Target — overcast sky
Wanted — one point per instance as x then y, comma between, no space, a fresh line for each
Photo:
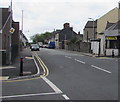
46,15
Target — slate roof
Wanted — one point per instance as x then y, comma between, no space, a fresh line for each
57,31
66,33
89,24
109,25
115,26
5,14
113,30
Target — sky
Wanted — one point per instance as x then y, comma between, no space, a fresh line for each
41,16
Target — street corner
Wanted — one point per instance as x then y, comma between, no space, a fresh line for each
25,68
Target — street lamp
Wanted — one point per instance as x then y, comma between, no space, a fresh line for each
93,28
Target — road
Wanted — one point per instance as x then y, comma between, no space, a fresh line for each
69,76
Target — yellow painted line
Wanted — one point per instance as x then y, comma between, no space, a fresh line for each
41,65
44,67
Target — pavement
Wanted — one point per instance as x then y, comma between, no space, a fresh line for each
13,71
90,54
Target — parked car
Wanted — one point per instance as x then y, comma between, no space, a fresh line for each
34,47
45,46
40,44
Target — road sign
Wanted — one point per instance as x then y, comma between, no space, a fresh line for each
12,30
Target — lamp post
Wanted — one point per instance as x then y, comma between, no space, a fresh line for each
93,28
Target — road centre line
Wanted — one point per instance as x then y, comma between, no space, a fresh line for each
27,95
68,57
79,61
101,69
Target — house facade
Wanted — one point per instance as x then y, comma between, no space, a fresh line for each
89,32
62,36
15,37
9,36
112,38
23,40
5,35
105,22
112,16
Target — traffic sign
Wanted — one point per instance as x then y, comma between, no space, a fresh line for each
12,30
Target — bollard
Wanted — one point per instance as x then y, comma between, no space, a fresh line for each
112,53
21,66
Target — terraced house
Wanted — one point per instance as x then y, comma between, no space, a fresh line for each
107,30
9,37
6,23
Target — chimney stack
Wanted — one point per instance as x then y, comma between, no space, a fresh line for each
66,25
79,32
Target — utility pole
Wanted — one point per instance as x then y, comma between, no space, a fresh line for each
22,31
22,22
10,33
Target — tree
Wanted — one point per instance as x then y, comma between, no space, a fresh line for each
41,37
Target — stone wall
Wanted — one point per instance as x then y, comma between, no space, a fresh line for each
81,47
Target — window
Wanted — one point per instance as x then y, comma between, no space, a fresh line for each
112,44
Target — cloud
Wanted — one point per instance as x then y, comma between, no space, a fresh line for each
47,15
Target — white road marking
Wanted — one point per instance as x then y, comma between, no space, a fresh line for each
68,57
53,86
7,67
29,57
66,97
38,69
101,69
27,95
79,61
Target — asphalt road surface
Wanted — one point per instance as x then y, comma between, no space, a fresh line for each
70,76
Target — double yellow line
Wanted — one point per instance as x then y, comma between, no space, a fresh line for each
44,67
